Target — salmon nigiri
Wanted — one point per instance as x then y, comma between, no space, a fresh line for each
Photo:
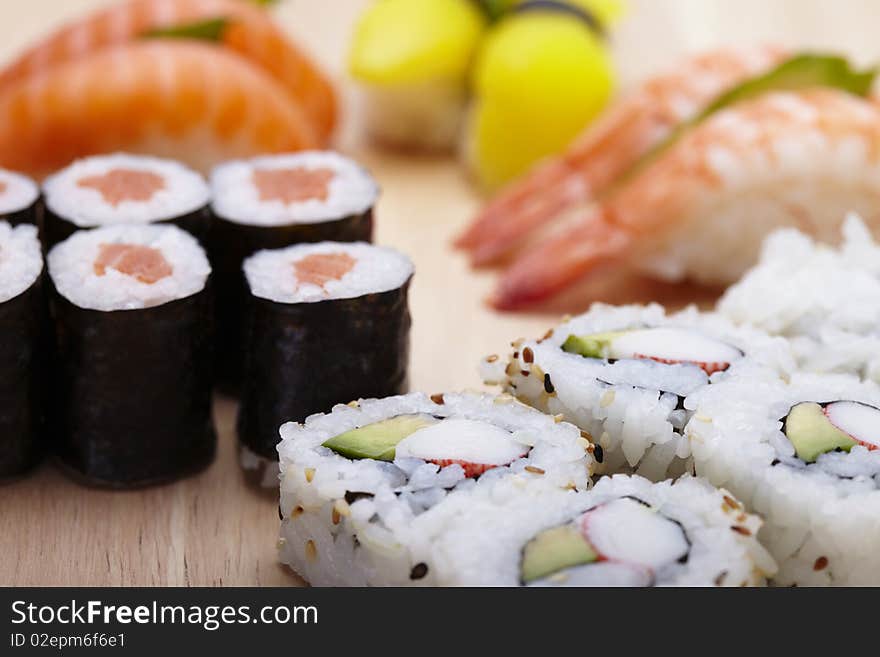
249,31
194,102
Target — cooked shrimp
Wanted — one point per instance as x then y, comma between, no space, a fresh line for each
251,33
700,211
191,101
607,149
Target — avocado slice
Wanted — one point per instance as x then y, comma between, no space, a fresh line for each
378,441
812,434
596,345
554,550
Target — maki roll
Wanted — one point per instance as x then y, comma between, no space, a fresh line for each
806,456
22,349
626,531
19,199
132,311
326,323
272,202
125,189
358,483
623,374
826,300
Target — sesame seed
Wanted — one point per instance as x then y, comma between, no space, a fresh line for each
548,385
534,470
821,564
528,355
741,530
438,399
311,550
419,571
310,474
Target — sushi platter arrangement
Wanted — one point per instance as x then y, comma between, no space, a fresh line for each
217,371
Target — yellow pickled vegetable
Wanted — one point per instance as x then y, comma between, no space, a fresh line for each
414,57
542,75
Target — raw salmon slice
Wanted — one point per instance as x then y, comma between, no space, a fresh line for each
251,33
189,101
293,185
121,185
144,263
321,268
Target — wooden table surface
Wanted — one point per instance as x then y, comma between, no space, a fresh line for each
214,529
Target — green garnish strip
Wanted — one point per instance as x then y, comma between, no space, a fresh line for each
210,29
801,71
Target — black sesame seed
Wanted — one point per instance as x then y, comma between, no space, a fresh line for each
598,453
280,514
352,497
548,385
419,571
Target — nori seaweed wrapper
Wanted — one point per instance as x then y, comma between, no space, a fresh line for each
304,358
231,244
133,396
32,214
23,359
57,229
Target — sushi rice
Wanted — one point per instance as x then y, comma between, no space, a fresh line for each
239,197
272,274
349,521
822,513
635,409
480,537
825,299
72,265
17,192
21,260
124,189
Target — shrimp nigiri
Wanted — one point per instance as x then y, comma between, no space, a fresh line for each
250,32
607,149
700,210
196,102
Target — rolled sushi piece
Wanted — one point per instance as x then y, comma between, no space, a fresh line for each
806,456
132,309
326,323
19,199
122,189
625,532
624,373
22,349
356,482
825,299
272,202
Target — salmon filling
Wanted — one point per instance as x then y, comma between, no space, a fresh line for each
321,268
119,185
293,185
144,263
